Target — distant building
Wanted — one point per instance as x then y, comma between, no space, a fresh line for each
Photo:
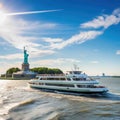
25,73
103,74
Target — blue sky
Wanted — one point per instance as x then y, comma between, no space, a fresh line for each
61,33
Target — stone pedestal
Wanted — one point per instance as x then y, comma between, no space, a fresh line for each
25,73
25,67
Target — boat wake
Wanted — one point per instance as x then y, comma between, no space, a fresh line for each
101,96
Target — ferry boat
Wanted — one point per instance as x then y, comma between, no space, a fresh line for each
72,81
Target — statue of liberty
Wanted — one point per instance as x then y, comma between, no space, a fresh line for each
25,56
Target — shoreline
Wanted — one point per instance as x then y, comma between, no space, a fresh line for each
9,78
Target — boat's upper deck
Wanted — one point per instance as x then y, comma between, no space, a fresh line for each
76,74
70,76
51,77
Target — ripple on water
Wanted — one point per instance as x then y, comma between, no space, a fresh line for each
85,110
52,116
28,104
4,110
106,114
21,104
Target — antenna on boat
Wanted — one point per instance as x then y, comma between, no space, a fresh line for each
76,67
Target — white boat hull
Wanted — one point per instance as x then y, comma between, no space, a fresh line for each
70,89
74,81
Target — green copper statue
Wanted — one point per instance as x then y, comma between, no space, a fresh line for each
25,56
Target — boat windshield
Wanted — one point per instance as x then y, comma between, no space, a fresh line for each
74,72
37,77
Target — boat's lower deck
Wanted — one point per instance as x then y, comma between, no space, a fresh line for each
70,89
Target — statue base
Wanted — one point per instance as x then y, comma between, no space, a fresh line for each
25,67
24,75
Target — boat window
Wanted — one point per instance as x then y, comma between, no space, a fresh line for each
60,85
79,79
53,78
87,86
43,79
70,72
68,79
82,86
77,72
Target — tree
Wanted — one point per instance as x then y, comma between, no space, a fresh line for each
12,70
45,70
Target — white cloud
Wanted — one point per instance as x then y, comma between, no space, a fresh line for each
15,32
118,52
10,31
116,12
6,66
62,63
33,54
103,21
52,40
41,53
31,26
53,62
12,56
79,38
94,62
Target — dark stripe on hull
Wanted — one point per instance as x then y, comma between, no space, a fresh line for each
54,90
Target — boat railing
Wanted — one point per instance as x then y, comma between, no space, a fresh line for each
50,74
96,86
82,79
89,86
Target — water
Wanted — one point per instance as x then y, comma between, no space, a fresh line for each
19,102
